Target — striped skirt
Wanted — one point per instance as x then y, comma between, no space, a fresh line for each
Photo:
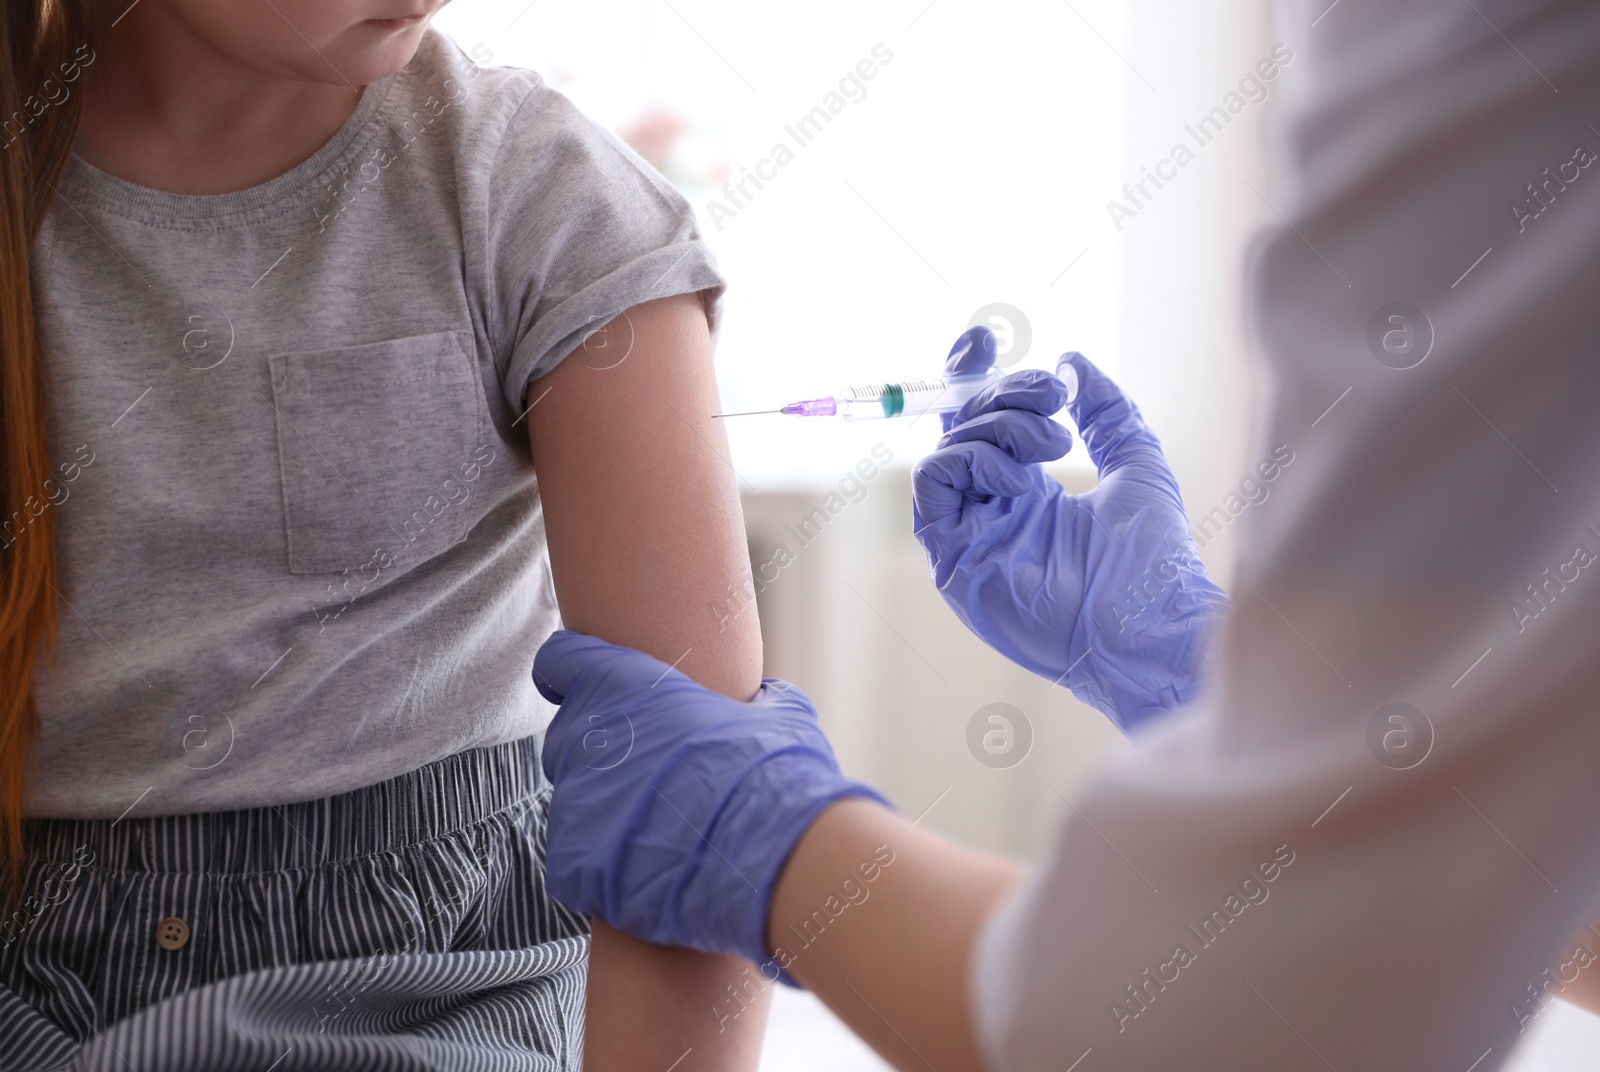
400,926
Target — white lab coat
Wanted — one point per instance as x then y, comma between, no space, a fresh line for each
1435,545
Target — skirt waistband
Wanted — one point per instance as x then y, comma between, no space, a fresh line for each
429,802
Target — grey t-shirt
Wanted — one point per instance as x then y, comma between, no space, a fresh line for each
301,543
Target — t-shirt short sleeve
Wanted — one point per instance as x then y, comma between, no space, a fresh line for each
579,229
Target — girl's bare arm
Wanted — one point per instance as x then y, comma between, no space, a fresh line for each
647,545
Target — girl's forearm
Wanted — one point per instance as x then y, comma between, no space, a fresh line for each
649,1006
879,919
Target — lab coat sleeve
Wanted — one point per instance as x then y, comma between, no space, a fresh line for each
1378,842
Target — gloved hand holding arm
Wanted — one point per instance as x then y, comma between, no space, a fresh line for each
675,807
1104,592
727,827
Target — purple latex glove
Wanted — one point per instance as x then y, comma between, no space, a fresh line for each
1105,591
676,808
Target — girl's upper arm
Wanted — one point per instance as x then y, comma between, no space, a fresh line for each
647,541
647,546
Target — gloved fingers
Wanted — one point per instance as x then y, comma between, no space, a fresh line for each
1033,390
567,658
972,355
1027,437
1111,425
945,479
777,692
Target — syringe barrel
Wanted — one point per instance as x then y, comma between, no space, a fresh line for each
910,398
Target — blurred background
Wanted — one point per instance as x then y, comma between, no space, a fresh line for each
965,179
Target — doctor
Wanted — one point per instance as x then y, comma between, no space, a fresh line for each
1374,841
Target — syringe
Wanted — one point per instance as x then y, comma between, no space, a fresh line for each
904,398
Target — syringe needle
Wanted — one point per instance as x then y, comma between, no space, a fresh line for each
747,413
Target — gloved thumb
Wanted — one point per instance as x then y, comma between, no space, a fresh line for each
567,658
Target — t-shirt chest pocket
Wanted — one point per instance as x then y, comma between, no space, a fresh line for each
375,445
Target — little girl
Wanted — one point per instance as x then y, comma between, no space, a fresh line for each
295,303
